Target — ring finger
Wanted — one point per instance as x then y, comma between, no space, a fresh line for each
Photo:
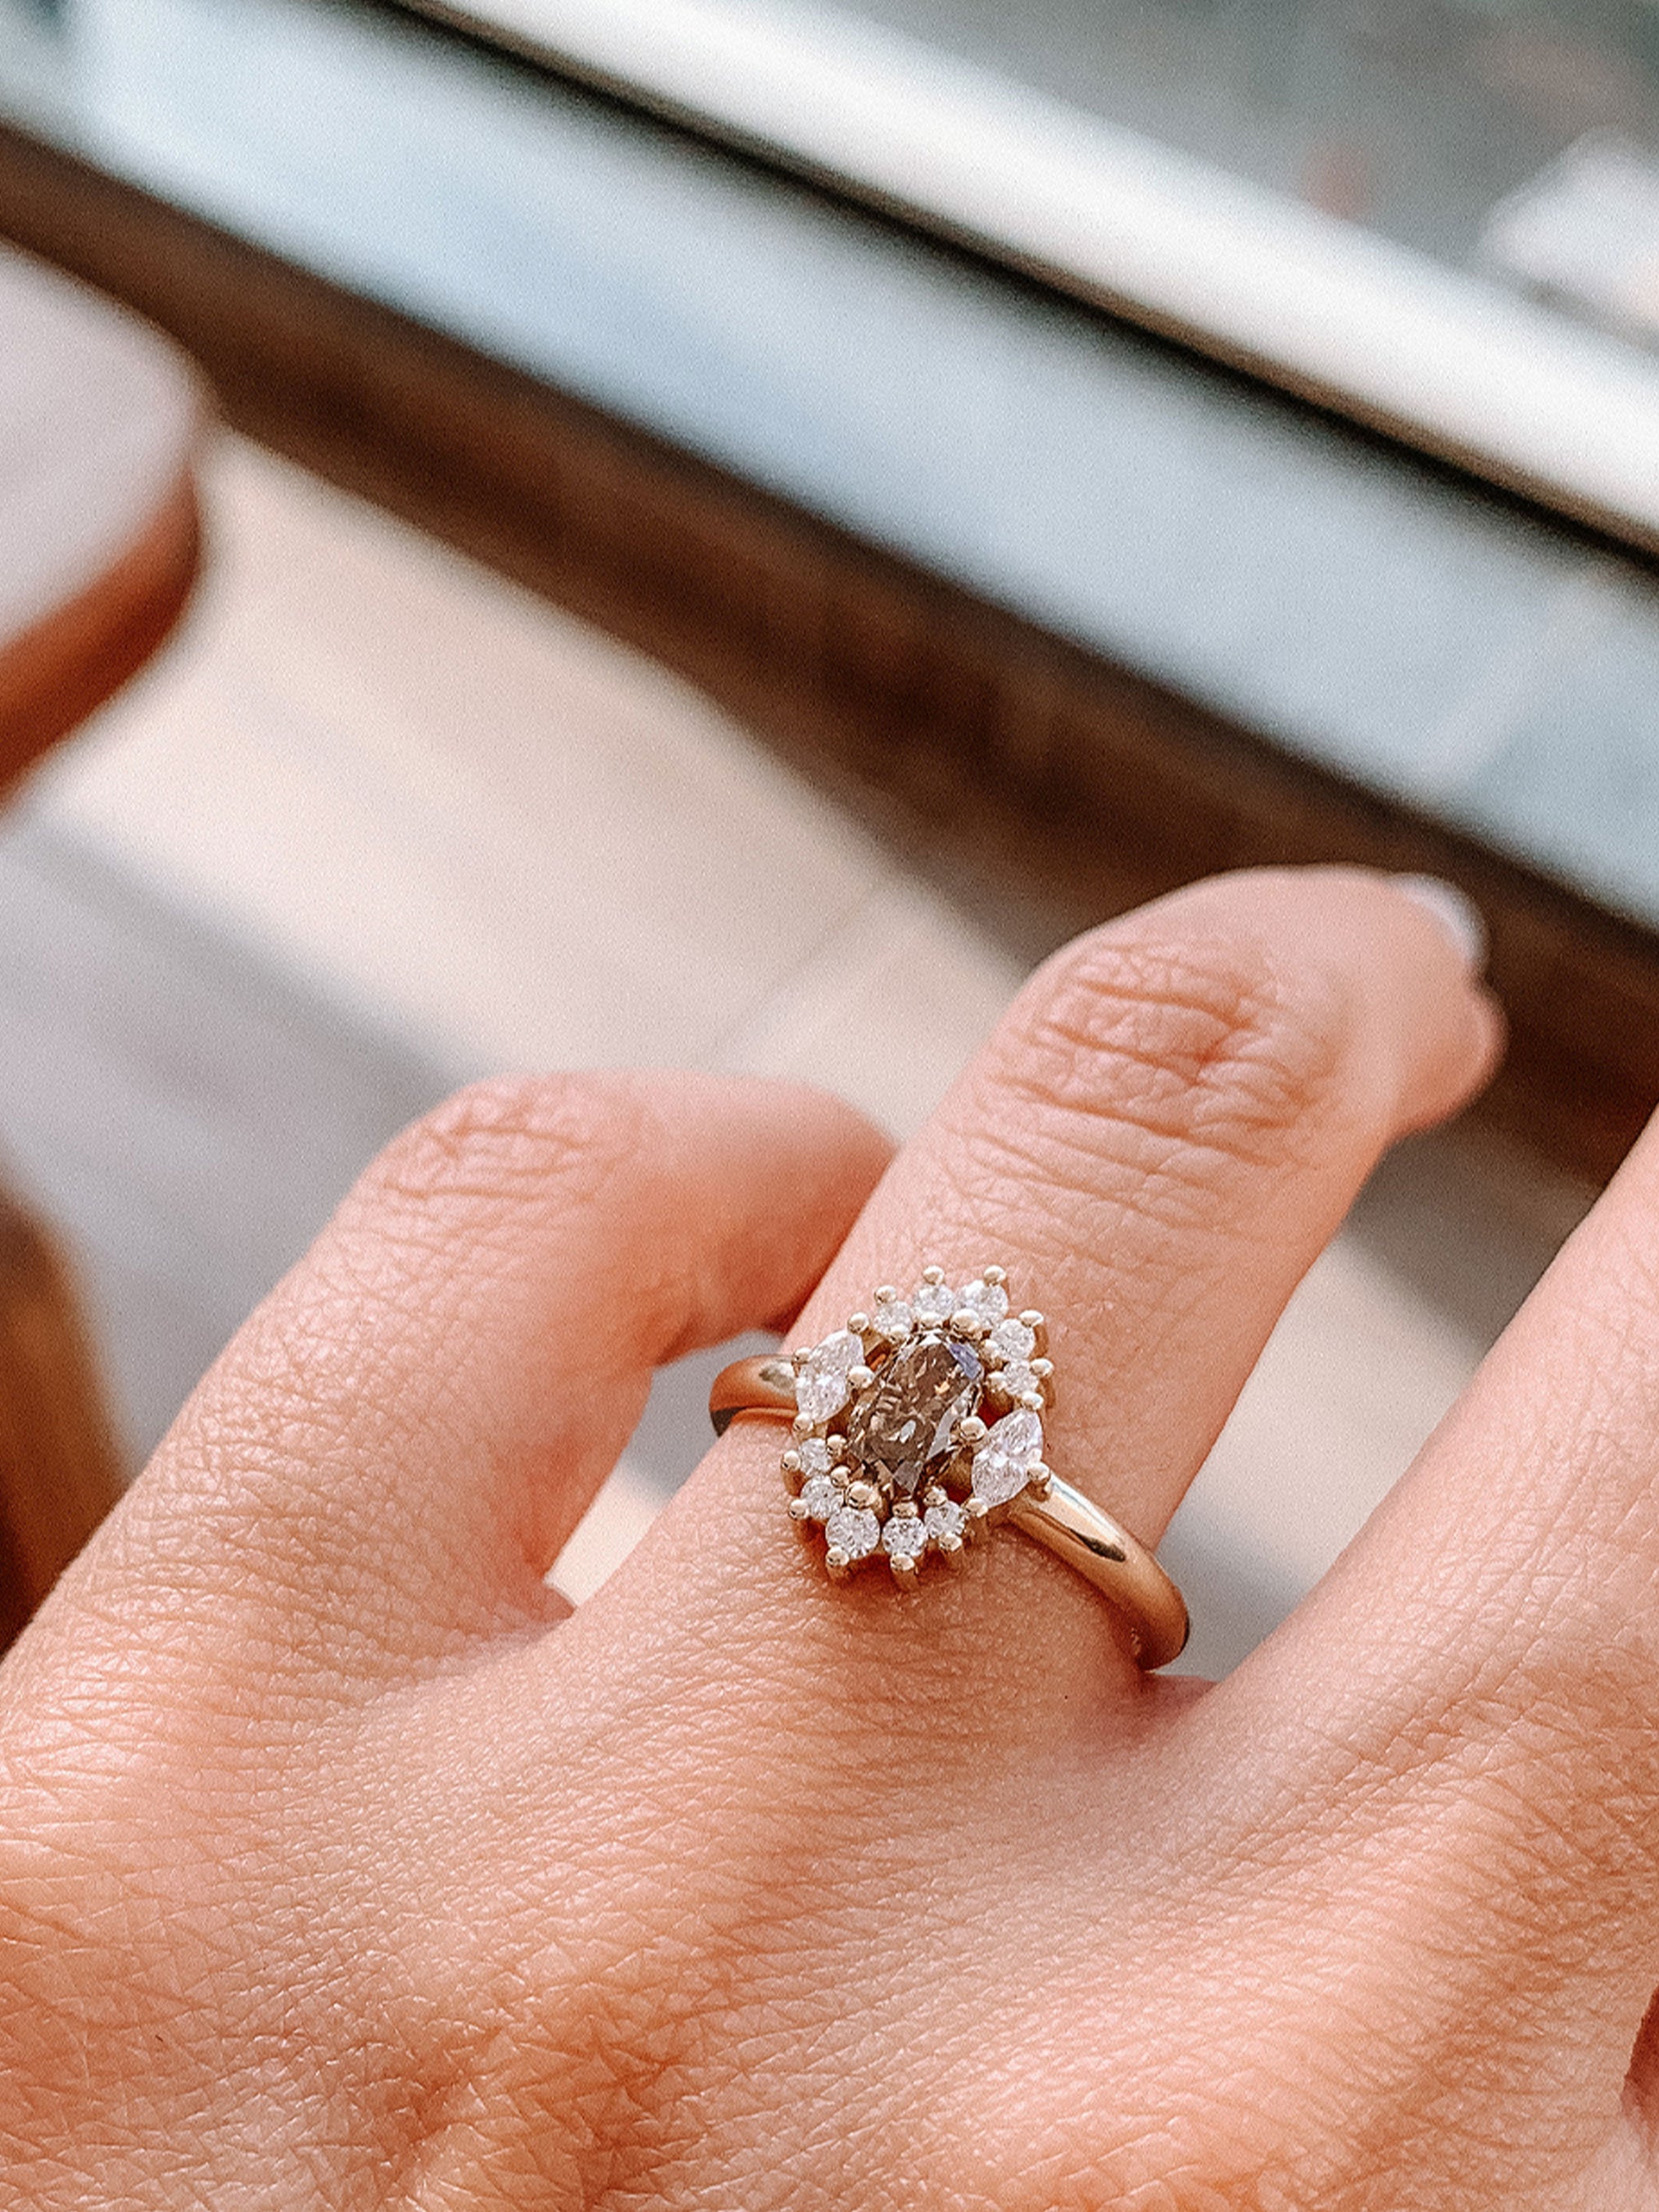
1166,1129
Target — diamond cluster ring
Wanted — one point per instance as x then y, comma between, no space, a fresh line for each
919,1425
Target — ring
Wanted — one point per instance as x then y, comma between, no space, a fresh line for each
918,1426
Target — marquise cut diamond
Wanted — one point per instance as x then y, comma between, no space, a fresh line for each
1003,1463
822,1387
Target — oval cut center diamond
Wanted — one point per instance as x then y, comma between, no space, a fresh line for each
905,1424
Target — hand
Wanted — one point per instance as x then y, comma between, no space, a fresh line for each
338,1868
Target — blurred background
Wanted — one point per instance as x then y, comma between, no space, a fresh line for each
715,533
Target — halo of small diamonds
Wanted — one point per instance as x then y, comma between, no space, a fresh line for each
920,1423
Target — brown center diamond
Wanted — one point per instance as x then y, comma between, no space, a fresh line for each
903,1427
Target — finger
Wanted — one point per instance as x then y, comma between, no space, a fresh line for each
395,1446
1164,1132
1477,1682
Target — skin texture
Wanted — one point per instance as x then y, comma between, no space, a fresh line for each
339,1868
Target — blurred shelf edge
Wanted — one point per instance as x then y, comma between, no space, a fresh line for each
102,532
68,664
1036,781
59,1467
1474,372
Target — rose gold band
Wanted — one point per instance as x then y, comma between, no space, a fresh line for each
1071,1526
765,1385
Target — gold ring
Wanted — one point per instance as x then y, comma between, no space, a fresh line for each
918,1426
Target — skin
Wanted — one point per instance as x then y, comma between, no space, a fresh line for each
339,1868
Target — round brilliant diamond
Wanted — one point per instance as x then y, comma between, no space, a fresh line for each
893,1321
1013,1340
986,1302
853,1529
943,1520
820,1494
904,1538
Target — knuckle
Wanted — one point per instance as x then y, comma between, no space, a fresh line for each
463,1213
497,1143
1189,1059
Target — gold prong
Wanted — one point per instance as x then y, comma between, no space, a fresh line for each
993,1275
864,1494
886,1295
933,1275
1039,1479
1032,1400
904,1572
859,1378
797,1509
799,1359
1032,1317
968,1323
949,1549
837,1562
792,1461
859,1324
972,1430
800,1426
1042,1369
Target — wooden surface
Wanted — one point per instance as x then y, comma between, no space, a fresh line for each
59,1474
98,423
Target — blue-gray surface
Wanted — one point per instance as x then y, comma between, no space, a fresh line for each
1347,602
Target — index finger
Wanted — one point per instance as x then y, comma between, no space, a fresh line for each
395,1446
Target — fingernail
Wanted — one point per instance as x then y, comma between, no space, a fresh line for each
1457,913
